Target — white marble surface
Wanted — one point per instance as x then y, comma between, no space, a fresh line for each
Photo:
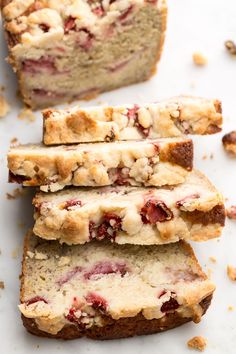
193,25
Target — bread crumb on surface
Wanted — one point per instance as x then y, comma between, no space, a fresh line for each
27,115
229,142
231,212
15,252
209,272
212,259
21,225
231,47
211,156
2,285
231,271
16,193
230,308
4,107
14,141
197,343
204,157
199,59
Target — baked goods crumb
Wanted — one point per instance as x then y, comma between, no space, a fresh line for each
14,141
212,259
204,157
27,115
2,88
231,212
15,252
229,142
21,225
199,59
197,343
231,47
211,156
230,308
16,193
209,272
4,107
2,285
231,271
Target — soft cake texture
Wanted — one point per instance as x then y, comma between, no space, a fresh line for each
85,290
154,162
70,49
193,210
168,118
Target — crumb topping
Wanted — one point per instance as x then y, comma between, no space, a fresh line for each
31,20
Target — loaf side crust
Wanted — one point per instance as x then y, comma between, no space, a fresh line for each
122,328
190,309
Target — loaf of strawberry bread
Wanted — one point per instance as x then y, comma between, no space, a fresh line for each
193,210
155,162
104,291
72,49
168,118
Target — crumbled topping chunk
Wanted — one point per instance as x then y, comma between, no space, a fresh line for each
197,343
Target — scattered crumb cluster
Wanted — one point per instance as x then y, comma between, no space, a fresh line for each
212,259
197,343
199,59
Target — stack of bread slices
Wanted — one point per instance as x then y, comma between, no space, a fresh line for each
117,200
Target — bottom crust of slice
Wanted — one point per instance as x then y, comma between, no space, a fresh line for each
122,328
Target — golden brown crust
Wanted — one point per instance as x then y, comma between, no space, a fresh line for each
214,216
122,328
180,154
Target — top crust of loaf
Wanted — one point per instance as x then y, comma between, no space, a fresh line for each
35,23
169,118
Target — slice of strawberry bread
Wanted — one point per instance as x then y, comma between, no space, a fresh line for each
152,163
167,118
71,49
105,291
192,210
